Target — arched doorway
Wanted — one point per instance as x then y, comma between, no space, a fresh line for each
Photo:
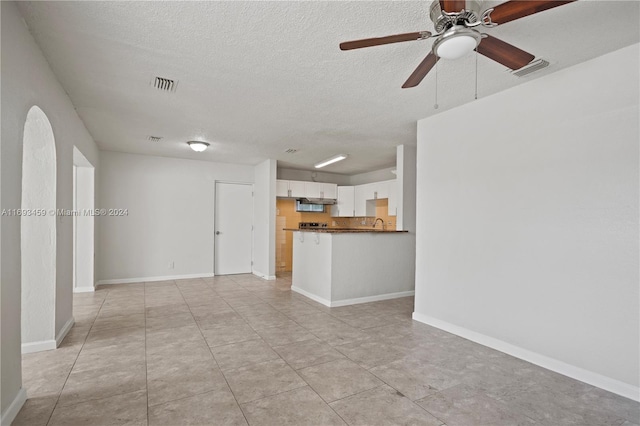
38,234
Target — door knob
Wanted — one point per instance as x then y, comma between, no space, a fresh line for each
218,232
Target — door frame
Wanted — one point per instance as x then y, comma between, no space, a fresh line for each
215,217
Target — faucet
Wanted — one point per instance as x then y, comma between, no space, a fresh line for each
381,220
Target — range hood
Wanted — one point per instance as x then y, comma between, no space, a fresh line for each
322,201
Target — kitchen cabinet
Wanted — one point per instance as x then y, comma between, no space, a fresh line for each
330,190
313,189
290,189
297,189
361,194
302,189
380,190
345,206
282,188
365,196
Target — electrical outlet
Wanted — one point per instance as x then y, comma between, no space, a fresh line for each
171,265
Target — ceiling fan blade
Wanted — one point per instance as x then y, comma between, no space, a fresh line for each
452,5
516,9
504,53
397,38
420,73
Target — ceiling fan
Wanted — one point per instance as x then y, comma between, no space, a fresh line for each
454,22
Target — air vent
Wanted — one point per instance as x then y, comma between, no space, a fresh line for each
154,138
290,151
532,67
165,84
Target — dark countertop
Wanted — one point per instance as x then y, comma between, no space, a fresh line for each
346,230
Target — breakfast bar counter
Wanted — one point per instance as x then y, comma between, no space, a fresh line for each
343,266
344,230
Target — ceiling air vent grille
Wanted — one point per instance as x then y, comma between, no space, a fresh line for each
165,84
290,151
154,138
532,67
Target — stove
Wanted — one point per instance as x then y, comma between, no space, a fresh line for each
313,225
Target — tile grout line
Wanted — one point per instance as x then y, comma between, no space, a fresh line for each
279,356
146,364
212,356
77,356
343,354
293,369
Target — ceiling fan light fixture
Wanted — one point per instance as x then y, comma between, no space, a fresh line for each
456,42
331,160
198,146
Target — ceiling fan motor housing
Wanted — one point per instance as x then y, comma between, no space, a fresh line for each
443,21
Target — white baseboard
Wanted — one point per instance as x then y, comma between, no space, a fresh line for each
355,301
84,289
64,331
264,276
368,299
12,411
311,296
586,376
149,279
43,345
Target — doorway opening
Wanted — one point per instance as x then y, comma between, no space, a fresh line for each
83,223
38,234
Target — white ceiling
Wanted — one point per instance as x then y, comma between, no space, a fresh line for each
256,78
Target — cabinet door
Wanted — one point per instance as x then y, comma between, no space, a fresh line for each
313,189
381,190
297,189
344,207
330,190
282,188
361,193
393,198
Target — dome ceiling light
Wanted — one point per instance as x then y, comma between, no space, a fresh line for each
198,146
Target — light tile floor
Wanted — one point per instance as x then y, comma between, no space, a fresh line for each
235,350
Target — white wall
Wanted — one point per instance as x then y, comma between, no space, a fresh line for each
27,80
264,220
406,181
528,229
170,205
84,225
374,176
309,176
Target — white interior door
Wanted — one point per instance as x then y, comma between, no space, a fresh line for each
233,228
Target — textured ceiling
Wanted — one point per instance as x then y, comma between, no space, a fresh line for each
256,78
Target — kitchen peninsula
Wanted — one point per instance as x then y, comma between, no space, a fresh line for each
343,266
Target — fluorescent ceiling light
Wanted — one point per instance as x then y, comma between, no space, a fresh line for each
331,160
198,146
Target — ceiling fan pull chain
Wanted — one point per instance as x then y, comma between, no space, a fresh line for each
435,106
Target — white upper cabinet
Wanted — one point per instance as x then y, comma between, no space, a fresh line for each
301,189
380,190
282,188
297,188
330,190
362,193
313,189
365,195
290,189
345,206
